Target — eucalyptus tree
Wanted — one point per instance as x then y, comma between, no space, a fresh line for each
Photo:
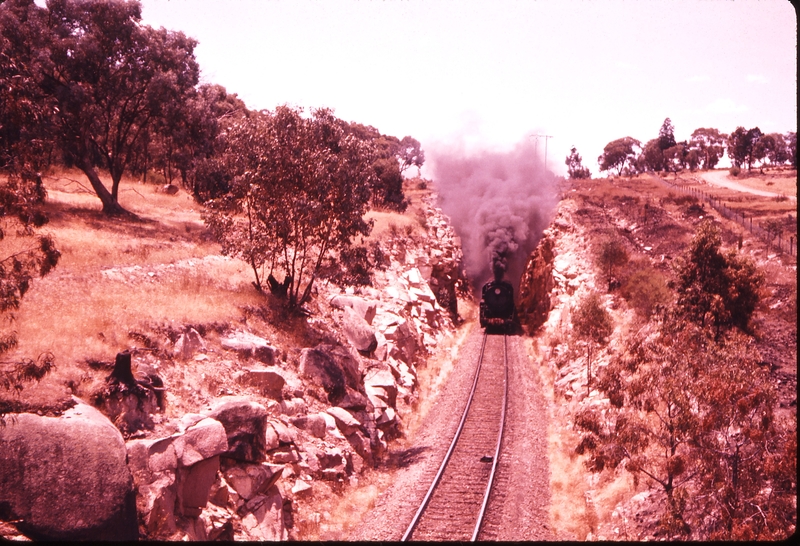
105,78
299,190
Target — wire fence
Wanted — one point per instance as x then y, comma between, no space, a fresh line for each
770,234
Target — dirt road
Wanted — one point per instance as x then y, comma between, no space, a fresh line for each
721,178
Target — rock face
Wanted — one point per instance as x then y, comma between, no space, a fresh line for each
536,285
174,475
245,423
333,368
66,478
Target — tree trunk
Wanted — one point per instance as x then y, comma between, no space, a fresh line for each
110,204
122,369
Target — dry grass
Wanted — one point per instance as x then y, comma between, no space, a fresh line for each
119,275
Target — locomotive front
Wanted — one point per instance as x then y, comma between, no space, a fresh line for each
497,305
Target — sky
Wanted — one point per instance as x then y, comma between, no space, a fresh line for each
488,74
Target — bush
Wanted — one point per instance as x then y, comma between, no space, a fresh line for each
645,290
735,171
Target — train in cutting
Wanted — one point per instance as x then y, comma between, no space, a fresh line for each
497,311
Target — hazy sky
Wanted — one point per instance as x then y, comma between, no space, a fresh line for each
487,74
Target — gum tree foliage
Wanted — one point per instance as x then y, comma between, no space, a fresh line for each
744,147
716,289
693,415
390,160
651,158
187,141
710,145
575,168
24,255
207,176
675,157
300,187
24,108
619,153
791,147
105,78
646,290
410,154
775,148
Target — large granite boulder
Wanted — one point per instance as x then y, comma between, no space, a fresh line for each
245,424
333,368
65,478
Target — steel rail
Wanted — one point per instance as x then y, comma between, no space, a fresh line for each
428,495
499,443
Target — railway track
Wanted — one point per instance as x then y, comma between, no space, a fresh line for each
456,502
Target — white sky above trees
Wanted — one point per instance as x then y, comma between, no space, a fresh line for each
486,74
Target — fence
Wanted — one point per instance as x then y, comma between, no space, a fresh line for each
773,237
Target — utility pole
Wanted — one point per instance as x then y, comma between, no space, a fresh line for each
545,137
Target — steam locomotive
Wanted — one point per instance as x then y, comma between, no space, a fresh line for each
497,306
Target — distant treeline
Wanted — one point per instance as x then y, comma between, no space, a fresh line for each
703,150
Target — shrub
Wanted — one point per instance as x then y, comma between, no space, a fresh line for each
645,290
735,171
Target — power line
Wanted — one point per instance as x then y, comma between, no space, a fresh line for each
545,137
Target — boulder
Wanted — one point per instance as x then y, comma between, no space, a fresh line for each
294,406
65,477
301,487
314,424
205,439
270,381
353,400
358,331
285,434
405,339
331,367
176,472
366,309
344,419
379,381
245,425
249,480
194,485
189,343
248,345
169,189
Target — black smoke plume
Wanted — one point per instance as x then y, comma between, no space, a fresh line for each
499,204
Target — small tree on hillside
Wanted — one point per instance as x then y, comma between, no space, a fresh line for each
717,289
593,324
575,168
694,416
410,154
300,190
612,254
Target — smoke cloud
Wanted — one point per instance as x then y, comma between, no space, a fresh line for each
499,204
